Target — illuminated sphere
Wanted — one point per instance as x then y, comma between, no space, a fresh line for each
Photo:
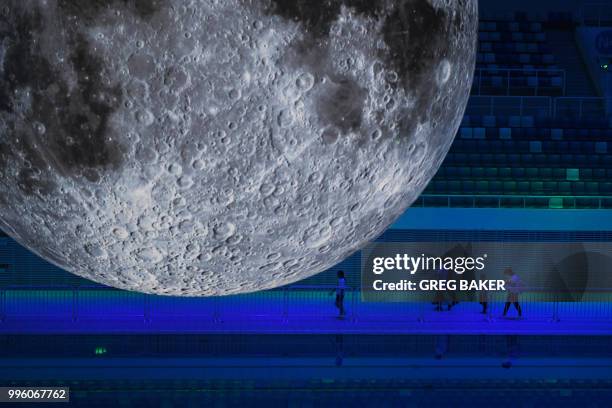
211,147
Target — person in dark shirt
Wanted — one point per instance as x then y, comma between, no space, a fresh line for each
514,287
483,296
340,289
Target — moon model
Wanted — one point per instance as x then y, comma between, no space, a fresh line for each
210,147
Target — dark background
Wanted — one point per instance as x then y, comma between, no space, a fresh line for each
531,163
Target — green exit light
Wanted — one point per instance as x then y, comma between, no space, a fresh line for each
100,350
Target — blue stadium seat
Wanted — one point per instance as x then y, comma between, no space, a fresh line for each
505,133
535,146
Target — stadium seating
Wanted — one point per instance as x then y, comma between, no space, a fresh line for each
526,155
555,154
513,59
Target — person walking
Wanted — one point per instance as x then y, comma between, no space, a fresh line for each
340,290
483,296
514,287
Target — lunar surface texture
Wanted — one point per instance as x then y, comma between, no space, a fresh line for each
213,147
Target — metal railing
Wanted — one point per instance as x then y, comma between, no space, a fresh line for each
543,106
513,201
510,106
512,75
596,14
579,107
301,303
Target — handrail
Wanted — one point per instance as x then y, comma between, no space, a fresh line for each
500,197
108,288
292,305
521,69
526,105
579,104
507,73
581,97
514,196
597,15
291,287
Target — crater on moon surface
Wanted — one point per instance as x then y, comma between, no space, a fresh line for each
203,147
